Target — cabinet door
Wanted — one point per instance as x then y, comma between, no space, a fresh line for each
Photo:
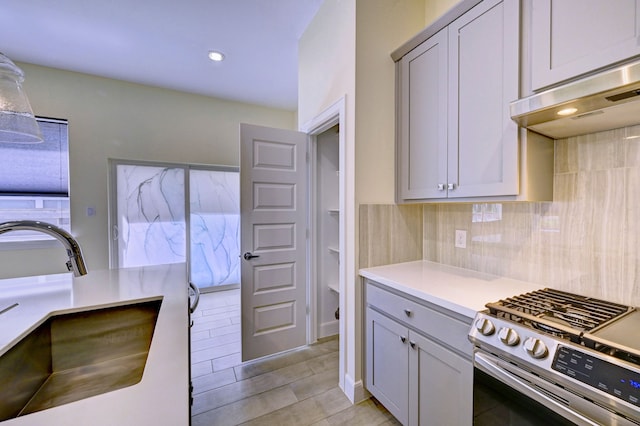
440,383
422,149
572,37
483,141
388,363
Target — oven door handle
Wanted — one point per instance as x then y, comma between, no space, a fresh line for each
487,364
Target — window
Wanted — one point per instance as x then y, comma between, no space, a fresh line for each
34,184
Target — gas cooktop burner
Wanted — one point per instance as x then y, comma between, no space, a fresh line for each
558,313
545,327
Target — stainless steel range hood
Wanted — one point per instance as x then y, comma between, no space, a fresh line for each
604,101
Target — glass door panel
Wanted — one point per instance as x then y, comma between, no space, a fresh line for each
214,227
157,220
150,226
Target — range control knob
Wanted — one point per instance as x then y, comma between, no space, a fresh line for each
485,327
536,348
509,336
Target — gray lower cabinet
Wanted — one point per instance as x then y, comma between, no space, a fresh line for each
388,363
410,367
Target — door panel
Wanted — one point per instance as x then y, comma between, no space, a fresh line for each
437,368
423,147
388,363
573,37
273,205
483,143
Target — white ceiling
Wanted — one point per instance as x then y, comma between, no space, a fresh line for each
164,43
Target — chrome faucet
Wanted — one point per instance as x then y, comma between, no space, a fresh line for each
75,262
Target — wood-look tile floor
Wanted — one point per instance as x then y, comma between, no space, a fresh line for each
299,387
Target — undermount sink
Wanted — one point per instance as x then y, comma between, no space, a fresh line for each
77,355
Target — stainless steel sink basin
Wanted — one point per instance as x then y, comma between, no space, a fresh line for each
73,356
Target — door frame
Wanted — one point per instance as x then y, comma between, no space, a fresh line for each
334,114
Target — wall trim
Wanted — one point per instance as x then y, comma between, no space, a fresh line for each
355,391
336,114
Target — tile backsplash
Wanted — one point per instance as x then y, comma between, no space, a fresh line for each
585,241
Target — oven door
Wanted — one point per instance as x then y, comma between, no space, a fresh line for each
504,394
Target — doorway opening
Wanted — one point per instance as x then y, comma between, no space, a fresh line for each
325,241
329,185
292,234
217,349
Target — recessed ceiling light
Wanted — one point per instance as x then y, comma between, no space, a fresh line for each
216,56
567,111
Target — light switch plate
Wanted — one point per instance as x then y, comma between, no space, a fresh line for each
461,238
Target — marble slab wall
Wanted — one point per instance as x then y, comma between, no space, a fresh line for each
585,241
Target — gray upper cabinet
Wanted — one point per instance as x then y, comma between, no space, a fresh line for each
423,116
483,79
455,137
573,37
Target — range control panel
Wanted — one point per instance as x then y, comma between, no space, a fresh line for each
595,372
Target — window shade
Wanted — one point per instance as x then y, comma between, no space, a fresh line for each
37,169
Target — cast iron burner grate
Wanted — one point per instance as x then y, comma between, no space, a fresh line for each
561,314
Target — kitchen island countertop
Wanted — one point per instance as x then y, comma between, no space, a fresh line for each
456,289
162,395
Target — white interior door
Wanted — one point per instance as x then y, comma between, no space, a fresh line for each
273,235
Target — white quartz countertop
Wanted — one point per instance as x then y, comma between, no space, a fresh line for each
162,396
459,290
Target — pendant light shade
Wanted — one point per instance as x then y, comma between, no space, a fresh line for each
17,123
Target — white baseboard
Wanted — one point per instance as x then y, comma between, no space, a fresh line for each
355,391
330,328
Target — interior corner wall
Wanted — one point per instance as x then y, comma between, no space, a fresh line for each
381,27
114,119
326,62
326,75
433,9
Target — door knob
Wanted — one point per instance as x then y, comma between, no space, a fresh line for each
248,255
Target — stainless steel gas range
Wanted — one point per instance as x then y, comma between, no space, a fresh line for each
577,357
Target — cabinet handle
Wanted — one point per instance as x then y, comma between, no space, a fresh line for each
408,312
441,187
403,339
451,186
413,344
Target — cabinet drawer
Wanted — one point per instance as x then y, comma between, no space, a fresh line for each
450,331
